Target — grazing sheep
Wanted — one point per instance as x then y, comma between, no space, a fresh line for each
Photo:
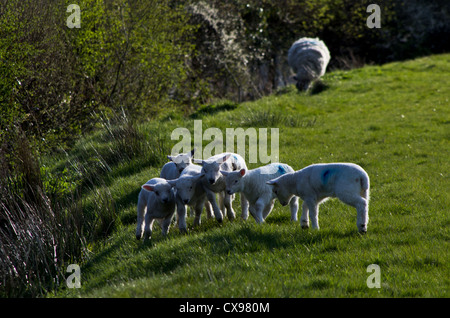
314,184
189,191
156,201
175,166
214,182
308,58
252,183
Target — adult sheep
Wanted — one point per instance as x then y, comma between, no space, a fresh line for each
308,57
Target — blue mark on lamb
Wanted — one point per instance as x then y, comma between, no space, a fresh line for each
326,175
281,169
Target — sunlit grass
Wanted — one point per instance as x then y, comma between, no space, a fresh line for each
393,120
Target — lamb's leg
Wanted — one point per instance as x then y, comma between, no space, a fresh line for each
304,219
181,214
258,210
313,213
244,207
362,210
198,212
148,226
212,199
209,211
267,209
221,199
165,225
293,204
228,200
141,208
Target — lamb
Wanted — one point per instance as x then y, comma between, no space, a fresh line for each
252,183
175,166
189,190
173,169
214,182
315,183
156,201
308,57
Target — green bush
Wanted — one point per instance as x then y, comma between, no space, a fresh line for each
129,55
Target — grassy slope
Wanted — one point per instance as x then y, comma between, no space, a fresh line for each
392,120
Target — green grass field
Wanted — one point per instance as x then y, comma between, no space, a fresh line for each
392,120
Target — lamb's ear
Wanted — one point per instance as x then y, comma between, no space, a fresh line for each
271,182
225,173
243,171
148,187
225,158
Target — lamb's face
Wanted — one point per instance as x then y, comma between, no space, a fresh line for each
163,191
283,195
212,171
186,187
233,181
182,160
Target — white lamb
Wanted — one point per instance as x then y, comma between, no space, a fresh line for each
175,166
252,183
308,57
189,191
214,182
156,201
315,183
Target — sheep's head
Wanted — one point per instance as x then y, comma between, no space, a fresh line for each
233,180
212,168
185,186
283,194
302,84
162,190
182,160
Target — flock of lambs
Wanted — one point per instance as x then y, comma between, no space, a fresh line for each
185,181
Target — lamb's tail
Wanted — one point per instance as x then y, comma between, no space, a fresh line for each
365,186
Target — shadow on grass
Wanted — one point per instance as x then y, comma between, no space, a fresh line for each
127,259
213,109
250,238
